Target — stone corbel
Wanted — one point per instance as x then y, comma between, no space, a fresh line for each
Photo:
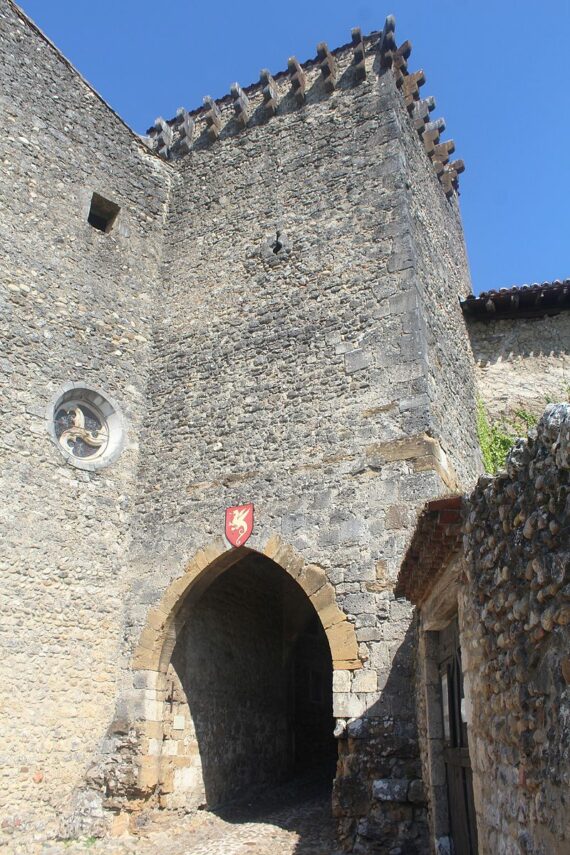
327,64
410,85
164,136
448,177
358,52
443,150
298,79
420,113
213,118
186,128
270,92
241,104
387,42
400,60
431,134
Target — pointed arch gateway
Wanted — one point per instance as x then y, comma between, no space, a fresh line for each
245,638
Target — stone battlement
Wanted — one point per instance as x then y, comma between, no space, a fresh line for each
303,84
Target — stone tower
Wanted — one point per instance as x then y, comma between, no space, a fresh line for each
257,303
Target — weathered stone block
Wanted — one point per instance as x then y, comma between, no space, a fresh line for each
348,705
341,681
416,792
391,789
365,681
356,360
311,578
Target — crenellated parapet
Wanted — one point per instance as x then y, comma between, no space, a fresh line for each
300,85
303,84
429,131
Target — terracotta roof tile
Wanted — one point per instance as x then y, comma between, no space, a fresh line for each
436,540
521,301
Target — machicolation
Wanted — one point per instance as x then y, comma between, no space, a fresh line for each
308,83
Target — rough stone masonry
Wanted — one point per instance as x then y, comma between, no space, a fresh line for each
516,617
257,303
489,573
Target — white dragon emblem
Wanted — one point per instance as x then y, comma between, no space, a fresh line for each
77,430
239,523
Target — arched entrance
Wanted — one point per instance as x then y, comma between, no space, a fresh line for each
236,664
249,689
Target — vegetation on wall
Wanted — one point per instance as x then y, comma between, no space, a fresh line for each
496,438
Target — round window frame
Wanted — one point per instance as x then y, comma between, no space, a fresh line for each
104,406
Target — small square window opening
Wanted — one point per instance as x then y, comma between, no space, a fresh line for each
102,213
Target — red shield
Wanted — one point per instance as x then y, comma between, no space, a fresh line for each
239,524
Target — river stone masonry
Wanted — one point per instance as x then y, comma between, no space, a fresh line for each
516,642
488,573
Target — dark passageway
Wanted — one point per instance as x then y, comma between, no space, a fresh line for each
253,669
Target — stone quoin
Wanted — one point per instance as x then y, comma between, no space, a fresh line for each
157,656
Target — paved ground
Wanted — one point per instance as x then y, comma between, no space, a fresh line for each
294,820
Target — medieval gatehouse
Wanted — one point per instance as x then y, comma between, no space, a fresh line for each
240,359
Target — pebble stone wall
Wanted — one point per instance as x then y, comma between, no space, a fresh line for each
76,305
515,605
279,329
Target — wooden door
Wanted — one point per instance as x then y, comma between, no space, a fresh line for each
456,751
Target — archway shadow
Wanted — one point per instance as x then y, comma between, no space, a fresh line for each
381,744
251,683
248,662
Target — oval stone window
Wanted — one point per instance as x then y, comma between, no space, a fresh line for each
86,426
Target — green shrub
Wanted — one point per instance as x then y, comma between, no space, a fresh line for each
498,437
494,439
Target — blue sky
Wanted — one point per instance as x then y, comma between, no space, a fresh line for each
498,71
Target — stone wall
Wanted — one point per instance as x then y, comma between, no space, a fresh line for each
271,314
522,364
515,642
379,792
76,306
301,378
441,276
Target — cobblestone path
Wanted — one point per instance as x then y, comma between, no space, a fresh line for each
287,821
